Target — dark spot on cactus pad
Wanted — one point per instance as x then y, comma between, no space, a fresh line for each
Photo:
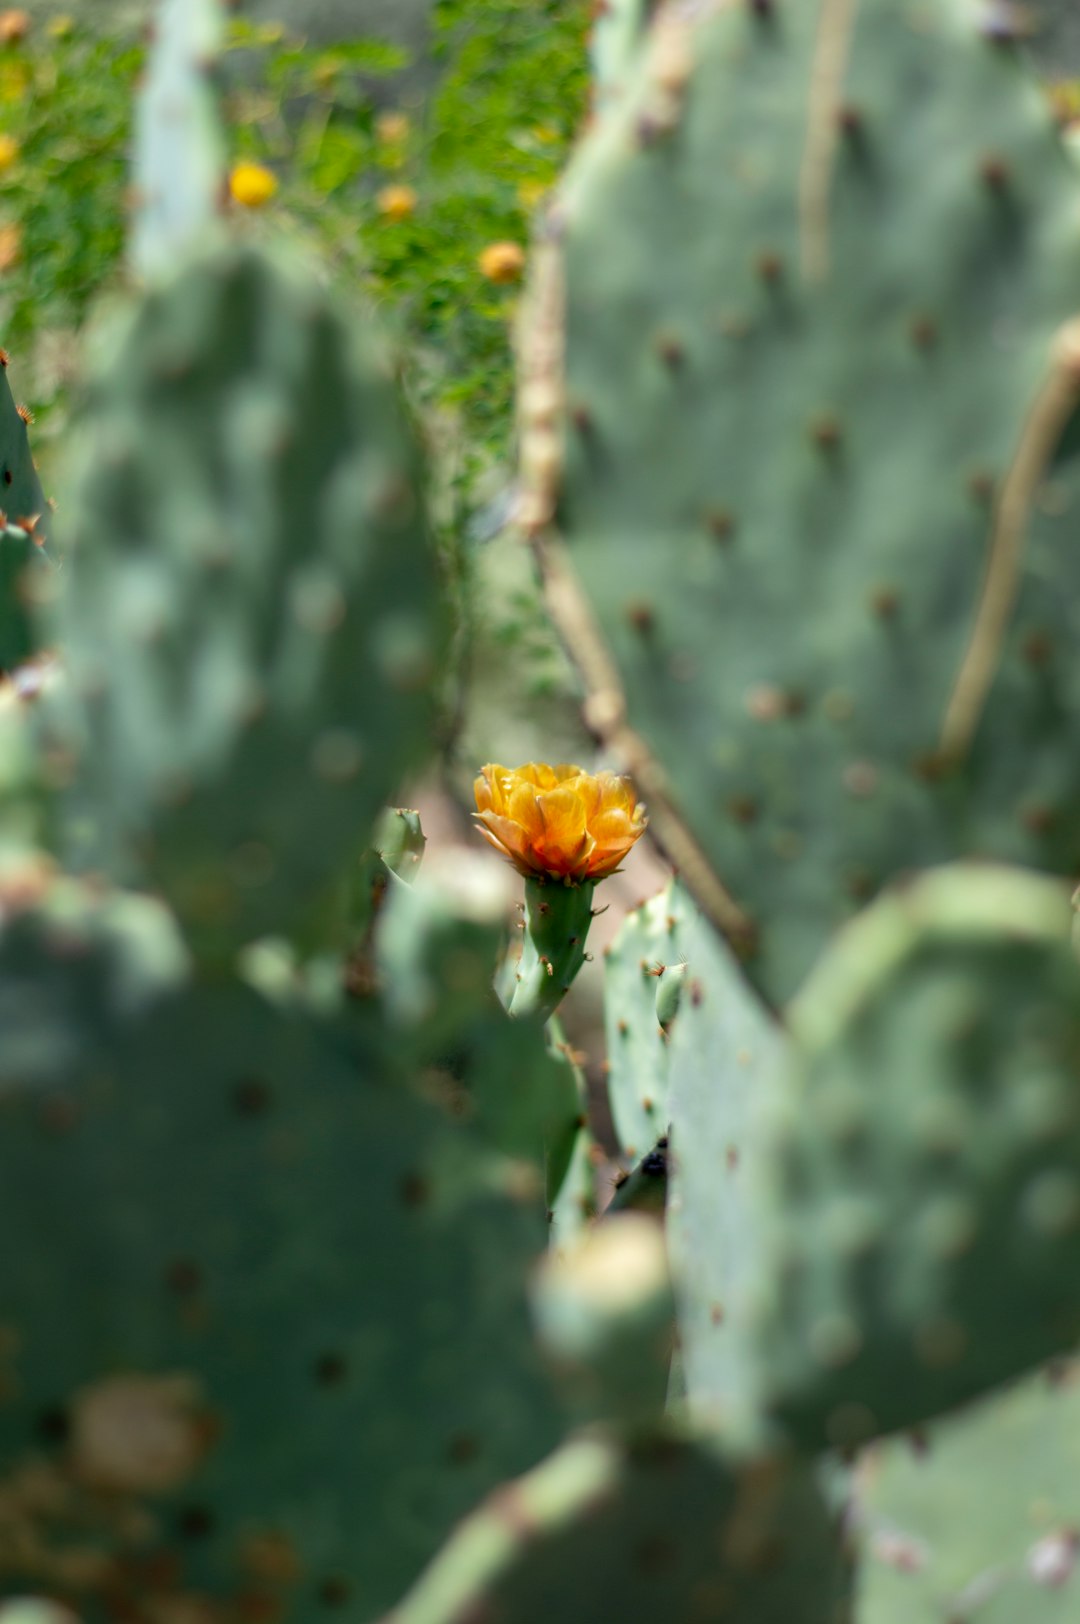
461,1449
414,1190
981,486
330,1370
582,419
859,884
183,1276
765,9
195,1522
9,477
670,350
769,267
1036,648
721,524
929,767
53,1425
654,1555
1038,820
885,602
826,433
335,1592
850,121
716,1314
923,332
251,1097
59,1115
640,616
994,172
743,809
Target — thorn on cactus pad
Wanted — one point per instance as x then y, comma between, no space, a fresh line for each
721,524
826,433
851,122
885,602
640,616
994,172
768,267
923,332
670,350
981,487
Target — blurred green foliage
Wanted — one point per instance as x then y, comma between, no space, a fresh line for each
478,155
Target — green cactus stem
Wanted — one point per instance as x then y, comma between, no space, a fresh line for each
557,920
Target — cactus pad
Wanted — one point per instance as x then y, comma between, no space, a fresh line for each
783,444
252,619
928,1157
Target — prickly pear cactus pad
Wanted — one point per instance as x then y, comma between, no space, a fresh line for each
265,1333
927,1158
726,1057
657,1529
641,967
977,1518
252,619
815,561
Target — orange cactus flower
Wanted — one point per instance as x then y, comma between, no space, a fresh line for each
559,821
502,262
396,202
14,26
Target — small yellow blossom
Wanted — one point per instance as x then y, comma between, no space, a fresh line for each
9,152
252,185
560,821
14,26
60,27
396,202
545,133
502,262
392,129
532,192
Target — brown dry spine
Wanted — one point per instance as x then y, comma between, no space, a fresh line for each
574,620
1046,422
836,25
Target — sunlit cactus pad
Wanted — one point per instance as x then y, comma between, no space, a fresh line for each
812,291
252,618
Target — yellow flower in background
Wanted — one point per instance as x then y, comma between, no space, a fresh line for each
396,202
391,129
502,262
530,192
560,821
9,152
60,27
252,185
